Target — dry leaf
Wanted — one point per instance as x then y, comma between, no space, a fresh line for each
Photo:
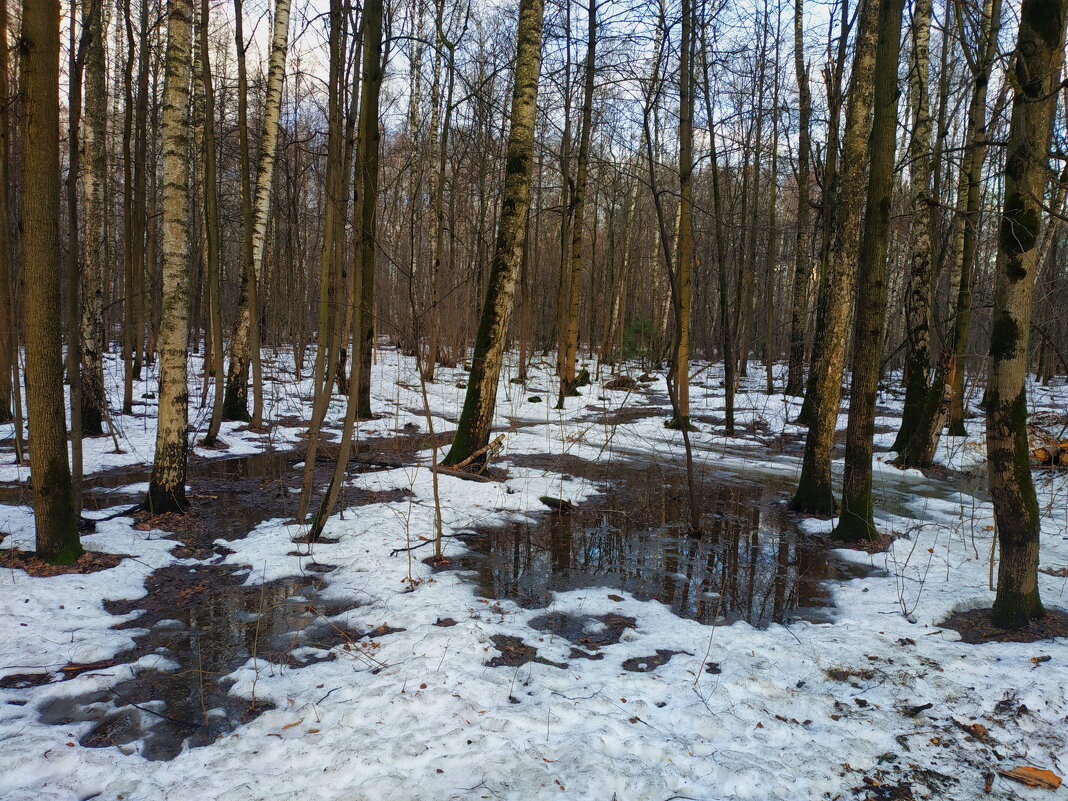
1034,777
291,725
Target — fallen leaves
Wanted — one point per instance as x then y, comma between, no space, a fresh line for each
1034,777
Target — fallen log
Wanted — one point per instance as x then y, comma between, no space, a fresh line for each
452,471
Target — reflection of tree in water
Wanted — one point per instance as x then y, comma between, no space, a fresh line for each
751,562
207,623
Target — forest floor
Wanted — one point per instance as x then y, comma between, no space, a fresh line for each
596,653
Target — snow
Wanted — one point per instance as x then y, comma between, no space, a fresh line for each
807,710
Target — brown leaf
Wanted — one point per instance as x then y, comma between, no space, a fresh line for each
1034,777
291,725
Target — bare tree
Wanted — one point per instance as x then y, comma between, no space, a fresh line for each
53,508
1038,59
856,521
166,488
472,433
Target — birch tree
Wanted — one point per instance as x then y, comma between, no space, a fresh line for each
473,430
244,345
166,488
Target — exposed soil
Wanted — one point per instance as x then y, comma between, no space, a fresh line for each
975,627
647,664
589,632
516,653
88,562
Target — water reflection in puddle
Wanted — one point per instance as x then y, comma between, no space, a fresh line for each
197,626
750,563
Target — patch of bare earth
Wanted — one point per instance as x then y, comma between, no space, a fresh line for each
88,562
975,627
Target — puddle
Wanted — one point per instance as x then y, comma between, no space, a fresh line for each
751,563
200,624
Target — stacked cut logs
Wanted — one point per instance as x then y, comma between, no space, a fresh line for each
1046,449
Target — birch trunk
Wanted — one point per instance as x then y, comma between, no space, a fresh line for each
918,297
244,346
166,489
477,416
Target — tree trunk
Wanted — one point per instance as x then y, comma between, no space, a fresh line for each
569,330
365,208
1038,59
94,144
245,343
829,212
328,255
814,493
472,433
166,489
211,230
372,87
679,386
856,522
921,396
795,380
971,175
719,215
53,507
8,325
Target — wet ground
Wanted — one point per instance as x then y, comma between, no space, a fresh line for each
196,626
199,623
750,562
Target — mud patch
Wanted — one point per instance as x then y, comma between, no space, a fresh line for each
195,627
88,562
647,664
588,632
516,653
975,628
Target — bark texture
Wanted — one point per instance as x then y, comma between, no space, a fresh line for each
918,297
53,508
967,239
166,488
94,170
814,494
477,416
856,521
795,380
244,346
1038,59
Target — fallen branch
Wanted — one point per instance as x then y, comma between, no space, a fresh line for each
452,471
489,450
